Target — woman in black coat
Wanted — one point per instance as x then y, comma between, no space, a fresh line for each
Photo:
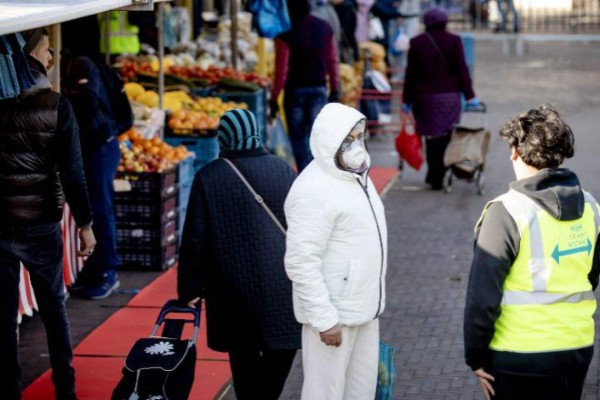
232,257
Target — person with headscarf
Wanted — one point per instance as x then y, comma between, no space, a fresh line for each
231,256
40,168
436,77
336,257
305,57
85,88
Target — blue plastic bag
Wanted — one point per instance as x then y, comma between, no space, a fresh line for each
386,378
271,17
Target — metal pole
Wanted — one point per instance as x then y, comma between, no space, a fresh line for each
57,45
234,32
107,38
161,56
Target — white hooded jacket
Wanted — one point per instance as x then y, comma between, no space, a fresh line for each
336,255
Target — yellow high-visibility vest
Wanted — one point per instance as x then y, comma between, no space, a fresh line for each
123,37
548,302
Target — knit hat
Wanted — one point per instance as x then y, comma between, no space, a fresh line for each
435,16
238,130
32,38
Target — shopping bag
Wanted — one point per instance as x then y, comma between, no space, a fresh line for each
271,17
278,141
408,143
386,376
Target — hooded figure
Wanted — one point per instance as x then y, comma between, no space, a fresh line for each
231,255
336,257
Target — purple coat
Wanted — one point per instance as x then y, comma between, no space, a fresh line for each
433,86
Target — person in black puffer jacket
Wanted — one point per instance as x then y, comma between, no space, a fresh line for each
40,166
231,255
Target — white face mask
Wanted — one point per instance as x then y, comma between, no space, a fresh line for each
355,156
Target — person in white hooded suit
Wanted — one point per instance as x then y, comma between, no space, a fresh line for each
336,258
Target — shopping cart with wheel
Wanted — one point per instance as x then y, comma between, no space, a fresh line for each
466,152
162,366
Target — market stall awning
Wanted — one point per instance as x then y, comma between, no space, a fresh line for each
16,16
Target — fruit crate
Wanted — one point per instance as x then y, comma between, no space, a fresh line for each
145,259
256,102
152,210
144,184
185,169
206,149
147,235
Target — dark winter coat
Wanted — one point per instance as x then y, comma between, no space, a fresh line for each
232,254
40,157
433,85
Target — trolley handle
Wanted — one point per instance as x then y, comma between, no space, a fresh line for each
481,108
175,306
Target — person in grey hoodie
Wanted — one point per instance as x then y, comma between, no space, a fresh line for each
528,324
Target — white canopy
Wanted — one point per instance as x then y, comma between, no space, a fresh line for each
20,15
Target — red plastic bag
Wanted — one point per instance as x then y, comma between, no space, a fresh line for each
408,143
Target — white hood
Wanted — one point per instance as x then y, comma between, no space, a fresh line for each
332,125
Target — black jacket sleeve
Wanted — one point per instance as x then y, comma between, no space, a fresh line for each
70,166
595,271
496,246
194,249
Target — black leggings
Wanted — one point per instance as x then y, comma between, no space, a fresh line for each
434,150
260,375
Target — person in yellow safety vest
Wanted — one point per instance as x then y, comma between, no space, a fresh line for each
528,323
123,35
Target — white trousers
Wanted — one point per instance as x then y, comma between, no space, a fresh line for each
348,372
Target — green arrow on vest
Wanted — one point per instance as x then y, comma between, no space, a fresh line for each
557,254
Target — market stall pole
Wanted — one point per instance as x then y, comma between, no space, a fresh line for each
233,10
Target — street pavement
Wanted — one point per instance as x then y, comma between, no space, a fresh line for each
430,233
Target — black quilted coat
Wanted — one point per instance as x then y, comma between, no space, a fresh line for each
232,254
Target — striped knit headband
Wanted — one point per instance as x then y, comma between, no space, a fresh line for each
238,130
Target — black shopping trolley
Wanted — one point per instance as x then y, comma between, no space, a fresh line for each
466,152
162,367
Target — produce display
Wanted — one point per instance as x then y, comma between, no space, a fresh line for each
351,84
147,155
204,114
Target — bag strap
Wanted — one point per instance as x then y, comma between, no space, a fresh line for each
434,43
257,197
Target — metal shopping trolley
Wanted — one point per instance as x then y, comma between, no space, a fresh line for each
466,152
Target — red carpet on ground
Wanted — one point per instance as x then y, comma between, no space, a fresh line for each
100,356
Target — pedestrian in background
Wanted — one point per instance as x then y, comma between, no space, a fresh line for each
231,255
362,20
346,11
305,57
336,257
40,167
101,154
528,326
436,76
505,7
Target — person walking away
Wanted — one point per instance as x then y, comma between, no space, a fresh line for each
305,57
436,76
101,155
346,12
336,257
231,256
528,324
504,7
40,167
388,12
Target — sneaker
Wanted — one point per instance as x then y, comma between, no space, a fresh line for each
110,283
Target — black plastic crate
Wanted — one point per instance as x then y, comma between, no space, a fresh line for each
146,209
145,235
154,259
148,184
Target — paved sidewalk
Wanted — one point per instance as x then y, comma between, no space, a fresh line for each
430,233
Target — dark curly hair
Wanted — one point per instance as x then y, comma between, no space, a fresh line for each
542,138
